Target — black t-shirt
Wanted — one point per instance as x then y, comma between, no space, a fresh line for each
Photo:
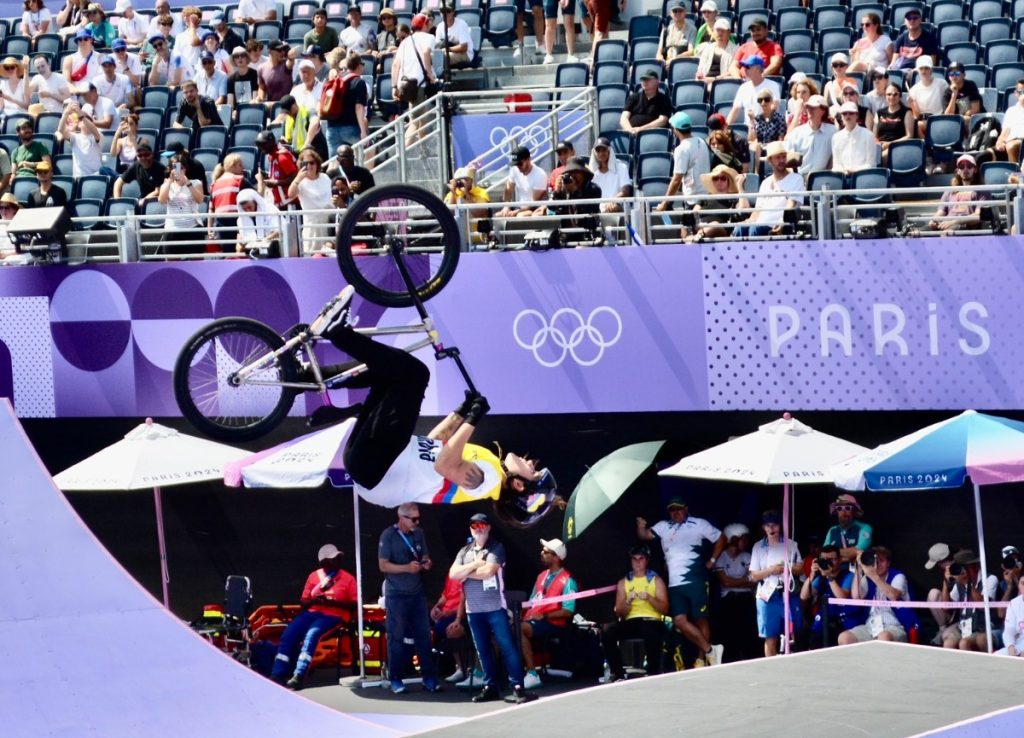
206,105
148,179
642,110
55,198
243,86
355,94
928,42
968,94
891,126
361,175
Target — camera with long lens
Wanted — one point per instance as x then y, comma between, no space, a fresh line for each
868,558
956,569
824,564
566,177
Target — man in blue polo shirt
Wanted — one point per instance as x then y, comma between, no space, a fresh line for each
682,540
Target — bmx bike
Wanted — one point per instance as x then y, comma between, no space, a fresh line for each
237,378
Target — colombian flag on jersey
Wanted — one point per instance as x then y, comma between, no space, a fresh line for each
490,465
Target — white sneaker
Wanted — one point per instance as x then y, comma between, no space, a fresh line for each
457,676
531,681
714,656
572,58
474,679
333,313
518,53
549,59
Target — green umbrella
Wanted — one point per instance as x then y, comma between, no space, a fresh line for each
604,483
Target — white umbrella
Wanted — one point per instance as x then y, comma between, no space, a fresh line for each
784,452
151,456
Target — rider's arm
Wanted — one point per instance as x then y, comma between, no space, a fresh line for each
452,466
444,430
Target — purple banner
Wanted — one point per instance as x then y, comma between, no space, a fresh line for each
475,135
799,326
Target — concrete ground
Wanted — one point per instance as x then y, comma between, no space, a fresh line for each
873,689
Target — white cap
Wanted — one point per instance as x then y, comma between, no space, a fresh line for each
816,101
848,107
306,64
556,547
123,5
328,551
938,552
709,5
840,57
722,24
924,62
797,77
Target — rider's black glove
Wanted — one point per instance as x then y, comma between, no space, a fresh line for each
479,409
467,404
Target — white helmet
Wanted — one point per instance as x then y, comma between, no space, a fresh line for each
735,530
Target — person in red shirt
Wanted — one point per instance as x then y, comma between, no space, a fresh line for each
447,615
328,600
759,45
281,169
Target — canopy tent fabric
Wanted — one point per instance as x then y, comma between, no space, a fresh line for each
91,653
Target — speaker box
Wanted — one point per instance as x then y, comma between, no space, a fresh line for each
40,231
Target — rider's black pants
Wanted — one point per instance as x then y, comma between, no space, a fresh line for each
397,382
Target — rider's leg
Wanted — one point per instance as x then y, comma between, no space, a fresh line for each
398,381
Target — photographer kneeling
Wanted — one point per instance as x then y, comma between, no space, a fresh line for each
875,579
576,183
963,583
462,190
830,577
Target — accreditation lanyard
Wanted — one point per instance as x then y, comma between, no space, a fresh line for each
408,544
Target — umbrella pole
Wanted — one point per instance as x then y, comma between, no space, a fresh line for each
984,564
359,585
787,573
165,576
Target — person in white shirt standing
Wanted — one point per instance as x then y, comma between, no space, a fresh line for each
690,159
131,27
453,33
768,564
76,126
853,146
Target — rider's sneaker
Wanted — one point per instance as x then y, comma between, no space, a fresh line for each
531,680
334,313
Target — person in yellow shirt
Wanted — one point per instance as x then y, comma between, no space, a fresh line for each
641,603
463,190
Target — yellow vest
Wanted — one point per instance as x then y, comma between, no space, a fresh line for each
641,608
296,129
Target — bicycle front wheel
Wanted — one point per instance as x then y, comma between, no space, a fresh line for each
211,394
395,226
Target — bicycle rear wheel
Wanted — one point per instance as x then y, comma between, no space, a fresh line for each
392,225
214,399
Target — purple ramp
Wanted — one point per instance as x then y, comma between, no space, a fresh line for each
88,652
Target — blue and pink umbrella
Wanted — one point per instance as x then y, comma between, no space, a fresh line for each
986,448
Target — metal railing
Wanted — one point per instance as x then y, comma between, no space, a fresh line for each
635,221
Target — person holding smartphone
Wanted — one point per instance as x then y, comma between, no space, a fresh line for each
181,196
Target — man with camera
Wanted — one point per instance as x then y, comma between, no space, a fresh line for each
875,579
462,190
1012,565
962,583
576,183
851,534
830,577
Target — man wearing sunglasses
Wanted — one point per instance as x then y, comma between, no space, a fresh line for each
913,42
962,97
402,556
851,534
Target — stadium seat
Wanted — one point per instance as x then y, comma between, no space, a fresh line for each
156,96
249,155
747,17
997,173
244,134
942,136
612,96
682,69
797,40
818,181
131,189
211,137
965,52
831,16
741,5
149,135
209,158
723,91
1005,75
13,120
500,25
93,187
698,113
610,49
777,6
656,140
385,98
808,62
267,31
954,31
297,28
48,43
692,91
302,9
643,49
169,137
118,207
622,142
16,46
608,120
1002,51
153,212
85,208
654,187
22,187
569,74
993,29
66,183
63,165
610,72
641,26
870,179
792,19
944,11
980,10
472,17
835,39
47,122
989,99
976,73
653,164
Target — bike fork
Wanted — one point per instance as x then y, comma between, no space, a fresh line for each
440,351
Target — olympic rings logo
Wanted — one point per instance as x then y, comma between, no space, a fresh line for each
532,137
566,332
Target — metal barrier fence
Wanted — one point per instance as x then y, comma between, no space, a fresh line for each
907,213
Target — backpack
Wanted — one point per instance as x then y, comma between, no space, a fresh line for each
332,99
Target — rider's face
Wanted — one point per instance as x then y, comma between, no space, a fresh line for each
521,466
